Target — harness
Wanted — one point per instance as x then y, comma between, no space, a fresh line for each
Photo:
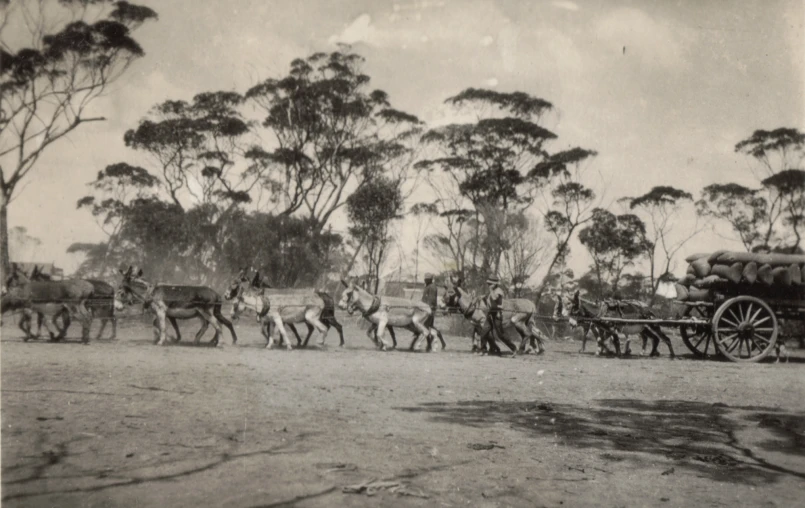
374,307
145,298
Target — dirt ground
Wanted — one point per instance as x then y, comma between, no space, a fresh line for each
126,423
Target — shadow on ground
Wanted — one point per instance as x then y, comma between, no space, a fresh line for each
703,438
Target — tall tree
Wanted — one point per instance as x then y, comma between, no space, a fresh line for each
750,215
79,48
566,204
371,209
526,249
115,188
196,146
488,160
667,234
614,242
779,156
328,132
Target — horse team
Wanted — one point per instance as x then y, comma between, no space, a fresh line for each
38,296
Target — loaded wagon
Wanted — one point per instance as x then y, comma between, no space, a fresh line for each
735,302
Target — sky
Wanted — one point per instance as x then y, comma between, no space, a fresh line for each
662,90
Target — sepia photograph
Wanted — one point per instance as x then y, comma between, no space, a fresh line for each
414,253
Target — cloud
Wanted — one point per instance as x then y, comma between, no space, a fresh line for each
565,4
360,30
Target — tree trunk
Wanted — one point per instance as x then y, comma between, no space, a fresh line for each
5,262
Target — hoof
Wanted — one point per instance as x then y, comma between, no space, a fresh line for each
541,352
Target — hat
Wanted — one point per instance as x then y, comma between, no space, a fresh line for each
428,276
492,280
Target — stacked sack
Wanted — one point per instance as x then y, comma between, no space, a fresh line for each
722,269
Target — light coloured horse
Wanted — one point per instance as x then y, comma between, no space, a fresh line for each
517,313
252,279
385,311
279,309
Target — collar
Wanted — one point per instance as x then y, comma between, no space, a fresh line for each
374,307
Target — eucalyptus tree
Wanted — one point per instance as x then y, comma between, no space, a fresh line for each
69,53
328,133
488,161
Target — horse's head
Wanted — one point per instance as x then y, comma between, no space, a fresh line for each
126,292
349,297
17,277
238,285
39,275
249,298
451,297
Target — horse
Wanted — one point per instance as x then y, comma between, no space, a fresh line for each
383,311
173,302
102,305
517,313
327,317
580,307
48,297
280,307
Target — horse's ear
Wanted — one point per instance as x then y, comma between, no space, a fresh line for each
256,280
140,272
344,283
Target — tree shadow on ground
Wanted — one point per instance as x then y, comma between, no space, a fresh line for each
56,468
697,436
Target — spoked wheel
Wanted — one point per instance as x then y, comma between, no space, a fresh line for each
699,337
745,329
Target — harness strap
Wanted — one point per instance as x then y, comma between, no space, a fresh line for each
374,307
266,306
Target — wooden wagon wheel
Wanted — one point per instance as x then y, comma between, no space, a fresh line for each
699,337
745,329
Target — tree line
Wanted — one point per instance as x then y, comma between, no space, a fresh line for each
255,177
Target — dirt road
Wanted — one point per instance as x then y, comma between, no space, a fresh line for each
125,423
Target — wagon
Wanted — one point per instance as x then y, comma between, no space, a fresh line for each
735,308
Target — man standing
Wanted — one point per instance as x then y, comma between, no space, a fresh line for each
430,296
494,301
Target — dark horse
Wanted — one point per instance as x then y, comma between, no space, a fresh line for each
102,306
580,307
48,297
169,302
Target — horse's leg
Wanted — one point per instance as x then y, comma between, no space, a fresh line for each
661,335
340,329
523,332
324,328
156,329
296,334
216,311
312,318
114,328
66,321
281,329
393,337
161,317
101,329
538,337
207,315
40,317
175,326
86,321
24,324
439,336
371,333
205,323
381,328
